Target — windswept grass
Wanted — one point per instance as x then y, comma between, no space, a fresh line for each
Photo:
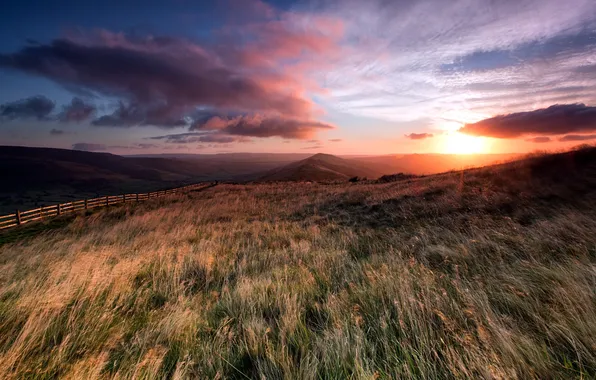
488,273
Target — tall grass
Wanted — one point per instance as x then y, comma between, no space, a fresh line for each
489,273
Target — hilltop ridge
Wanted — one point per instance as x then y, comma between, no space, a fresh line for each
320,167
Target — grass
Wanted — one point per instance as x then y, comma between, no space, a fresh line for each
487,273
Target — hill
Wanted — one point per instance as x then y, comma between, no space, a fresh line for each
320,167
39,176
25,167
425,164
483,273
34,176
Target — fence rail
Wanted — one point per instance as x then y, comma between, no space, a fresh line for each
40,213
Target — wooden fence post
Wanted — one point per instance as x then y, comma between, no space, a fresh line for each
18,217
58,208
107,201
86,204
137,197
41,212
123,198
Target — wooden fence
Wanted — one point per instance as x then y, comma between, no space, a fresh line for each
22,217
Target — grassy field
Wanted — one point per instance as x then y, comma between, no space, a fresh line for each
487,273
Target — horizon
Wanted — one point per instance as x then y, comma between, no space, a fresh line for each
309,154
300,76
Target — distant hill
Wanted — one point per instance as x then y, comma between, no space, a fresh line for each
320,167
26,168
431,163
39,176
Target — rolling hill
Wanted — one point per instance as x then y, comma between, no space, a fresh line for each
429,163
320,167
39,176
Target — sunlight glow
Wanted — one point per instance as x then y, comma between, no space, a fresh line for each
459,143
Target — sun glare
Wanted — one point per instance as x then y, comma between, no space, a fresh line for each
459,143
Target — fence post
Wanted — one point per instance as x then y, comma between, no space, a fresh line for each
137,194
123,198
58,208
86,204
107,201
41,212
18,217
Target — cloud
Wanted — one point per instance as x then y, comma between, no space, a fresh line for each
57,132
313,147
501,57
419,136
134,146
128,115
263,126
577,138
89,147
554,120
76,111
161,80
204,137
40,108
335,140
36,107
539,139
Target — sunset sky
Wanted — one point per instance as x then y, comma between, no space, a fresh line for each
342,77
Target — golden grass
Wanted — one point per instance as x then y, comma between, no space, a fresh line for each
486,274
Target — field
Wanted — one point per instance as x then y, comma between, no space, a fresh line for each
486,273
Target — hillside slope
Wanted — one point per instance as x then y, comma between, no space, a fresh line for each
39,176
485,273
24,167
424,164
320,167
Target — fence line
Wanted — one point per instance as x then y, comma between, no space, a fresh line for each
22,217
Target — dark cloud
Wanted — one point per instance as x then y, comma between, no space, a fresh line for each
419,136
161,78
335,140
539,139
263,126
313,141
577,138
554,120
57,132
313,147
76,111
204,137
36,107
217,138
134,146
89,147
128,115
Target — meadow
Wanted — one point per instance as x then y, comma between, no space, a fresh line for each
484,273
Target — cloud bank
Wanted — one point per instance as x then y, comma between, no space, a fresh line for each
539,139
419,136
89,147
554,120
37,107
255,71
577,138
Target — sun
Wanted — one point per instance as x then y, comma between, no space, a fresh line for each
459,143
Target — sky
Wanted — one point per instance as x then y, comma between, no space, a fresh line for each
334,76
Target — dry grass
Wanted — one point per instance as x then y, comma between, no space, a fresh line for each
489,273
